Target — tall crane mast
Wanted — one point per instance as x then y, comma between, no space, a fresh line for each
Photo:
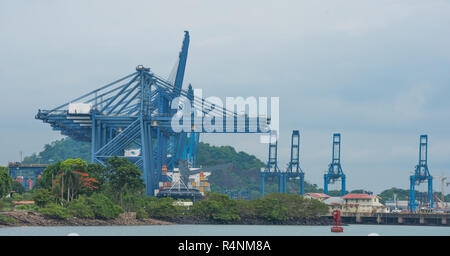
181,64
271,169
334,169
294,169
421,174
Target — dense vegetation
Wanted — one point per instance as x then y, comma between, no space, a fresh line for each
274,207
6,182
73,188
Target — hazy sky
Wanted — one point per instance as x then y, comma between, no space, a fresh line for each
375,71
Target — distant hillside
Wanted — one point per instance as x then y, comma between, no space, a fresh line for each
403,194
61,150
243,174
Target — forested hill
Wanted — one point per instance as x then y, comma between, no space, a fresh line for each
61,150
242,174
231,170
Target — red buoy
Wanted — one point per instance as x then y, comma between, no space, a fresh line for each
337,229
337,222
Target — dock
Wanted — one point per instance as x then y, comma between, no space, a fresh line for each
425,219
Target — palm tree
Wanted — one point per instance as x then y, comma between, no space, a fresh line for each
71,182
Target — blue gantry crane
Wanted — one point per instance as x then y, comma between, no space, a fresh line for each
294,170
335,169
133,118
421,174
271,169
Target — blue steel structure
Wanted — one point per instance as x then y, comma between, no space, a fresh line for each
271,169
334,169
237,194
27,171
294,170
137,112
421,174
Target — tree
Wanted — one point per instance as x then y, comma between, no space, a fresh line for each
55,211
282,207
103,207
48,176
97,171
17,187
161,208
123,177
42,197
80,208
71,174
70,178
218,207
273,207
5,182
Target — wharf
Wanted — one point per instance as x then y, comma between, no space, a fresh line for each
425,219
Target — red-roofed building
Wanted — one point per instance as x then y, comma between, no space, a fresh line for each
22,202
318,196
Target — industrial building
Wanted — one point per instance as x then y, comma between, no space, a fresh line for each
399,205
26,174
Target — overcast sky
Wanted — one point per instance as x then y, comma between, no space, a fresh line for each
375,71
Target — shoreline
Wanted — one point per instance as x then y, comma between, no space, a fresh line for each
34,219
313,221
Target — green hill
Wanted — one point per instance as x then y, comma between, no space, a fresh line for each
61,150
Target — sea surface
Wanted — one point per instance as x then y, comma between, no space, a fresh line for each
226,230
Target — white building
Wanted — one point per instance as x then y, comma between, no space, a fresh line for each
398,205
363,203
356,203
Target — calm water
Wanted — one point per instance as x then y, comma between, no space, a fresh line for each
226,230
